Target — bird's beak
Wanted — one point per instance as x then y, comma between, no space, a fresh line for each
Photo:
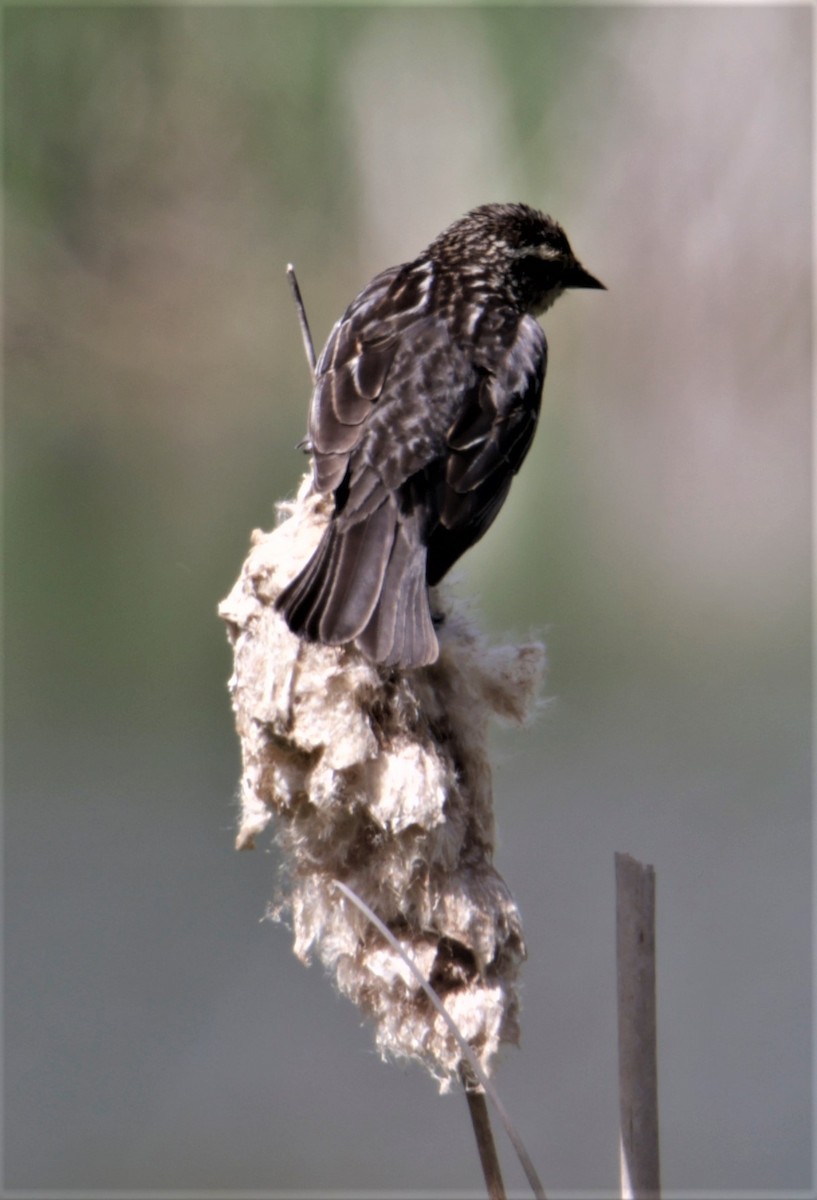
578,277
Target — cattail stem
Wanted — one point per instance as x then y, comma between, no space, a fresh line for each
481,1121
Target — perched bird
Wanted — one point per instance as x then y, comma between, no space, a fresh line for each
426,400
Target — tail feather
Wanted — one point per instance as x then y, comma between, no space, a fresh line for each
354,579
366,583
415,639
301,600
400,632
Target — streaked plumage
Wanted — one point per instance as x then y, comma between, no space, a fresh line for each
426,400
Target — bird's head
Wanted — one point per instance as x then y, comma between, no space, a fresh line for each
518,250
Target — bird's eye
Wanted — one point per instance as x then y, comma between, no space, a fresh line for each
536,274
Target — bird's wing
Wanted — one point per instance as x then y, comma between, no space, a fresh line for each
487,444
351,374
372,430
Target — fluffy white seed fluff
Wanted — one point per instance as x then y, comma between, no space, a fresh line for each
381,779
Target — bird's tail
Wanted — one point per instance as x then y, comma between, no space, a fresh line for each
366,583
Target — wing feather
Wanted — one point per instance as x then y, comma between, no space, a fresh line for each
486,447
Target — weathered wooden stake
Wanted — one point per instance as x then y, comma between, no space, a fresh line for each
637,1056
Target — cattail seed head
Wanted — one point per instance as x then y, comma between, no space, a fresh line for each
380,778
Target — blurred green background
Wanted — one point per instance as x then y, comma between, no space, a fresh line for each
162,165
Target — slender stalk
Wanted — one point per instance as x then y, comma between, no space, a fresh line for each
306,334
637,1055
481,1121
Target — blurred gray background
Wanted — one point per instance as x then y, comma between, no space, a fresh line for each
162,165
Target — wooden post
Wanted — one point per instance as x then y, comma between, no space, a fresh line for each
637,1057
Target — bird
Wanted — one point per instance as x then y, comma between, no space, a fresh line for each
426,400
